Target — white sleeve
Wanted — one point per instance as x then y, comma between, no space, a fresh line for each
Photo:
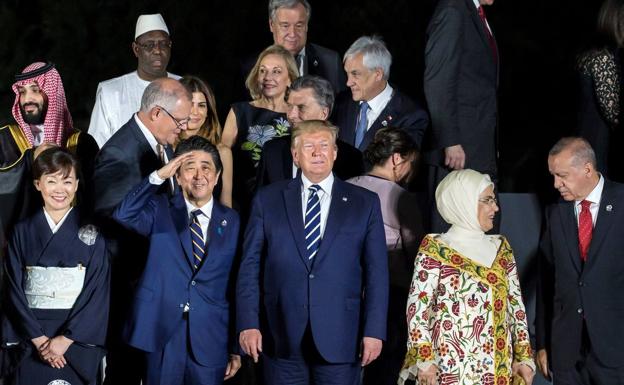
99,127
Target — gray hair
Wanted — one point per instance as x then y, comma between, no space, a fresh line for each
158,93
582,151
321,88
375,53
274,5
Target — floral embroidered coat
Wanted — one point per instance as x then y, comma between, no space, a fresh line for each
467,319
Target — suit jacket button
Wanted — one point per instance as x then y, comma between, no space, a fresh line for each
579,310
581,283
311,276
192,283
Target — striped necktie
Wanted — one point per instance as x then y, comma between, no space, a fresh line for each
199,243
312,226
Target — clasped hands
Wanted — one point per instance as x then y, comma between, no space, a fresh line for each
52,350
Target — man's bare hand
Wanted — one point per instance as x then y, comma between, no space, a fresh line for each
371,348
455,157
251,342
542,363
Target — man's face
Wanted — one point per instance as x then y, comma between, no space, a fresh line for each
167,125
290,28
315,153
573,181
486,2
302,105
197,178
33,103
153,50
364,83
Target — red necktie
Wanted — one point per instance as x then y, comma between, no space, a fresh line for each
490,38
585,227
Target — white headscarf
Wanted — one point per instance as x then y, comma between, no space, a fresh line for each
457,199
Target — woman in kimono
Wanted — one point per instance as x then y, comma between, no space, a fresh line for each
57,277
465,315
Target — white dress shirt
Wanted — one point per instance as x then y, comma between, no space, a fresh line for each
324,195
594,198
115,101
477,4
377,104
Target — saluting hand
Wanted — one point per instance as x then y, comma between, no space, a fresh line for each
169,170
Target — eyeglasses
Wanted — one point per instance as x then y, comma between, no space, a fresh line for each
179,123
490,201
151,45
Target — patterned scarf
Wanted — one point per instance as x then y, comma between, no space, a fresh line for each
58,121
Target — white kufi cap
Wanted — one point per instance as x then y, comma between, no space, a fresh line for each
148,23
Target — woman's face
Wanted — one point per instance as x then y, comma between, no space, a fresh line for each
273,76
199,112
58,191
487,208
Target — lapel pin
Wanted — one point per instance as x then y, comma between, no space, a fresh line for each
384,123
609,208
315,63
344,199
224,223
390,117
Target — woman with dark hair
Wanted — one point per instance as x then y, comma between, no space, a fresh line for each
204,122
392,154
249,125
57,278
600,71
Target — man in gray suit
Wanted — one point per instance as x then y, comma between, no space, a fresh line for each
461,80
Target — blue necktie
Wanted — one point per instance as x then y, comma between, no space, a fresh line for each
362,124
312,227
199,243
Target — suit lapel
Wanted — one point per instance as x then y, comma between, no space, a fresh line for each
337,214
292,202
383,120
570,228
180,218
216,231
604,221
287,161
474,16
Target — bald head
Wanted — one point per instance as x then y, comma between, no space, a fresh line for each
165,109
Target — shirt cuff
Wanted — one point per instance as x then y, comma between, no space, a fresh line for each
155,179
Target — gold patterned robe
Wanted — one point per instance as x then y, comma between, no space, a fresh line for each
467,319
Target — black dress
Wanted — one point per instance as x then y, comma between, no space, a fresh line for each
256,126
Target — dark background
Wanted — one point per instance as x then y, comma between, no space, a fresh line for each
89,41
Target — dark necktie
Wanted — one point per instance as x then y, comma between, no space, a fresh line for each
301,65
312,229
199,243
585,228
488,33
362,125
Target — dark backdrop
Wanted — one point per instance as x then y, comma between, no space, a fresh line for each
90,41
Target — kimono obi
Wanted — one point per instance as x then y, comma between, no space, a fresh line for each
53,287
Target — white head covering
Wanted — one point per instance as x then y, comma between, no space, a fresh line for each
457,199
148,23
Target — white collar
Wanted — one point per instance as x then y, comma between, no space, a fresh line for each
476,3
595,195
326,184
206,209
377,103
55,226
151,139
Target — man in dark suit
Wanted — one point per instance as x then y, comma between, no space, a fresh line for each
309,97
127,157
180,311
312,291
288,22
460,83
579,304
373,103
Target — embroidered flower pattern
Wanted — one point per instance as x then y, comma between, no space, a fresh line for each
258,135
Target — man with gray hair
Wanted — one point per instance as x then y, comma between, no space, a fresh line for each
139,147
373,103
579,330
118,98
309,97
288,22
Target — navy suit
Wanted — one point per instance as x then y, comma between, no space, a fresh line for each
580,304
169,280
341,296
401,112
